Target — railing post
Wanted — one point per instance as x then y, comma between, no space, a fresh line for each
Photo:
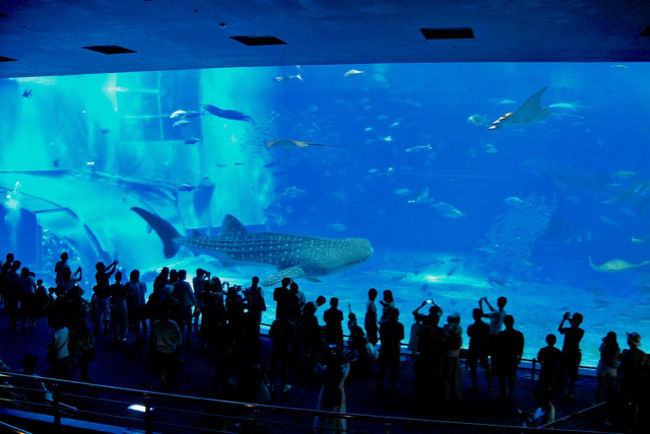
55,405
387,428
256,419
532,370
147,413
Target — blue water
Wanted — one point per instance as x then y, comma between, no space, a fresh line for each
453,210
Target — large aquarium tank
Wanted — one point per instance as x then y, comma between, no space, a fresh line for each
449,182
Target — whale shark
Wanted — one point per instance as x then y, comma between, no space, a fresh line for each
616,265
295,256
530,112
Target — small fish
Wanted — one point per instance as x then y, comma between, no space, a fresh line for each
90,163
238,164
339,227
447,210
636,240
353,72
56,162
496,282
289,143
618,67
104,131
382,117
513,200
368,129
626,174
27,93
272,164
178,114
478,120
281,78
390,171
373,171
507,101
418,148
293,192
402,191
181,123
393,125
491,149
192,140
608,220
387,139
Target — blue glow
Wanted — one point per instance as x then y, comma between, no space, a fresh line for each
401,155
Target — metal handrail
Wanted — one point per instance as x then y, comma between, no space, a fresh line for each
12,429
384,420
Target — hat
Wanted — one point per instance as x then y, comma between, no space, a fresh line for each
634,338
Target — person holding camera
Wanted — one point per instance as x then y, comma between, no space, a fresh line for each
571,354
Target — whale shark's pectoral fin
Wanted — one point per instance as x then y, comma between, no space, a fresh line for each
293,272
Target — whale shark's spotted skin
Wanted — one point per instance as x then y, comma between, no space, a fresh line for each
295,256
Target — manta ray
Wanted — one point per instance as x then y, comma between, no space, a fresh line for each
295,256
615,265
530,112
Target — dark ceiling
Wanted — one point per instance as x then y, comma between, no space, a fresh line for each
48,37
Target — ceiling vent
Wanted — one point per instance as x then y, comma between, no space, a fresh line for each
109,49
254,41
455,33
645,32
6,59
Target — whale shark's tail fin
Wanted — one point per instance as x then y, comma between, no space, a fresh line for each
163,228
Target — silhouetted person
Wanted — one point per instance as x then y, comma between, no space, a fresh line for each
335,369
571,354
358,344
59,267
607,370
27,293
549,359
119,311
428,360
103,294
545,411
391,334
479,334
12,293
136,291
58,347
333,318
256,303
83,344
199,284
370,320
388,306
164,340
508,350
184,296
451,358
283,334
279,296
310,336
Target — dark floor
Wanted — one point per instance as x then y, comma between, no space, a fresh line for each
126,366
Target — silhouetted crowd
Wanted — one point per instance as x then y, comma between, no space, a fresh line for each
224,320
